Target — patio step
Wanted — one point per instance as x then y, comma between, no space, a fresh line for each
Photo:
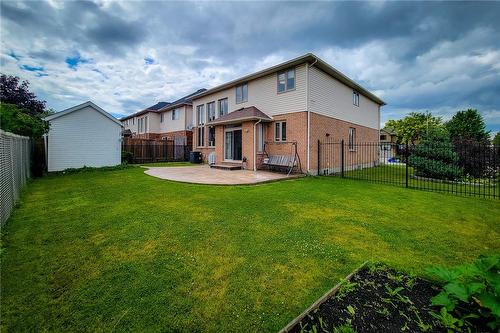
226,166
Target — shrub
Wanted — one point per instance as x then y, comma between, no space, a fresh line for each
477,283
435,157
127,157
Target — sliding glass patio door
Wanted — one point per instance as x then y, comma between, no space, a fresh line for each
232,144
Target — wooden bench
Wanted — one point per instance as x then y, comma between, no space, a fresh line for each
281,161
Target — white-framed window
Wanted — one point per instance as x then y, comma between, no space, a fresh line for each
260,137
211,136
280,131
242,93
161,117
200,114
286,80
175,114
133,121
146,124
211,111
355,98
223,107
201,136
352,138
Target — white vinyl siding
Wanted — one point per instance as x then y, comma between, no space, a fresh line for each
330,97
83,138
175,122
262,94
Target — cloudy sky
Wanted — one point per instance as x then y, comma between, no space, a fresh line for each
126,56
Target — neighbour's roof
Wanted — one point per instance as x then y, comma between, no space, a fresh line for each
186,100
79,107
307,58
164,106
244,114
388,130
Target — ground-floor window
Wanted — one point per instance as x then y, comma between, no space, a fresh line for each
201,136
352,138
232,143
260,137
211,136
280,131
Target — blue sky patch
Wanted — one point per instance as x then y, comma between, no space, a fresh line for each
149,61
74,61
14,55
31,68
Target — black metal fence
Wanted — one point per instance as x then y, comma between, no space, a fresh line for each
464,169
154,151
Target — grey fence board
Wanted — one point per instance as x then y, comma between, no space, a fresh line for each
15,151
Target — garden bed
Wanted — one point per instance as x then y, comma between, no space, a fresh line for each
376,298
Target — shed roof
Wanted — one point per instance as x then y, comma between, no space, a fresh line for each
244,114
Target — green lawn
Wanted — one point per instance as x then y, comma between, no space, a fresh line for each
120,250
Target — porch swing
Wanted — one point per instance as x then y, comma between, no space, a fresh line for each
287,163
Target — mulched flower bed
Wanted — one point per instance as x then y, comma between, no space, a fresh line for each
378,299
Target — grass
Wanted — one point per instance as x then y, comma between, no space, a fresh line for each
120,250
396,174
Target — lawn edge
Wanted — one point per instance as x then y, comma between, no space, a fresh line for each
321,300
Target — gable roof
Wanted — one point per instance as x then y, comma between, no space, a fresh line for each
306,58
152,108
186,100
79,107
243,114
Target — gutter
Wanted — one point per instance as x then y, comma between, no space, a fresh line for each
254,144
309,117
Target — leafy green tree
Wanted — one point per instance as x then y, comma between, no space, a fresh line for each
414,126
13,120
20,110
434,156
467,125
496,139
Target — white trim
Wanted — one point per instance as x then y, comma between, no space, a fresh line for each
308,151
79,107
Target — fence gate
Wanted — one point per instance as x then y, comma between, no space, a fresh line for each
465,168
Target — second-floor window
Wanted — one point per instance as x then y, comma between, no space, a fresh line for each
175,114
280,131
223,108
286,80
242,93
200,114
161,117
211,111
355,98
146,124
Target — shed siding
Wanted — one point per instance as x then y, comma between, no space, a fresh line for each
263,94
83,138
330,97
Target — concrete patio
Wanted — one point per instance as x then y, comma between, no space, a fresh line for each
203,174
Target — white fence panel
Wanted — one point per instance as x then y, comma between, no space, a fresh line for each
15,151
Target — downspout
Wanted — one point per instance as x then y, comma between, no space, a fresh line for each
309,116
254,144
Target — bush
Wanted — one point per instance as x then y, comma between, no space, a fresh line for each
127,157
14,120
435,157
477,283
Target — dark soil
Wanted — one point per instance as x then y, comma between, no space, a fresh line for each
371,303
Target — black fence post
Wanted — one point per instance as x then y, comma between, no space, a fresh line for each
319,147
342,158
407,153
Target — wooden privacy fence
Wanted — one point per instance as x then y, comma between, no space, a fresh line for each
149,151
15,157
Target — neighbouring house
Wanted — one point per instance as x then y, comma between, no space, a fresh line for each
388,144
163,121
84,135
287,106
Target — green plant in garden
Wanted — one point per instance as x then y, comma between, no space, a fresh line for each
477,282
346,328
434,157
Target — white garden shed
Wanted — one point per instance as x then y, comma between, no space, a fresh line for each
84,135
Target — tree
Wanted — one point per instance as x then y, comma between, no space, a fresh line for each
496,139
414,126
467,125
434,156
13,120
12,92
20,112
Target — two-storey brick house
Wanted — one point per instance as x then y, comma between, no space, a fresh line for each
164,120
299,101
